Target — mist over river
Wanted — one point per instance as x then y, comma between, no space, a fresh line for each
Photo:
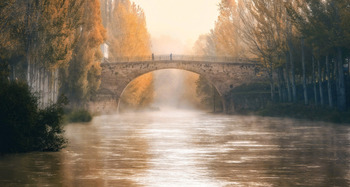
185,148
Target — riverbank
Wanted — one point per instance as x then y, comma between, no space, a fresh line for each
77,115
300,111
255,99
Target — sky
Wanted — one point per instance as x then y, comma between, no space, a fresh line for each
175,25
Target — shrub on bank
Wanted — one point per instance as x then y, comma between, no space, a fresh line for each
80,115
23,126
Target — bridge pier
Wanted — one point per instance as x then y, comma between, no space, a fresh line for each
229,105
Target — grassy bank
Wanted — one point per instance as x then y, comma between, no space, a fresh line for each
255,99
77,115
300,111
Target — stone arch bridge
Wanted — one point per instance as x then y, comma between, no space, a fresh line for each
224,73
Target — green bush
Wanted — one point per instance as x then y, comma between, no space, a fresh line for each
23,126
80,115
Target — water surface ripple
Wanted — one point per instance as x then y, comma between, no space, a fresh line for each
189,149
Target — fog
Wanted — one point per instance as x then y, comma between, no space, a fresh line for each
165,44
164,19
175,89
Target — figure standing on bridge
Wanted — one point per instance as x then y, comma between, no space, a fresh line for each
171,56
152,56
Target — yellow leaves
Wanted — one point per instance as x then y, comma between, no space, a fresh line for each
128,35
269,32
226,35
139,92
202,45
83,76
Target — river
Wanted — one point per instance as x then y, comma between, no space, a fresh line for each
189,149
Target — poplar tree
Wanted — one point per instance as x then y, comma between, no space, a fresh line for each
325,24
128,38
37,37
227,33
81,77
263,26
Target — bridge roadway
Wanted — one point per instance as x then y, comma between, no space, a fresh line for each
224,73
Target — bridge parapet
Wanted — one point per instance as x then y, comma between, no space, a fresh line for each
187,58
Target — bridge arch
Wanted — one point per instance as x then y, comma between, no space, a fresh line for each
128,84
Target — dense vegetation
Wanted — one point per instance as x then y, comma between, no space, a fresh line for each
300,43
24,126
47,48
80,78
54,46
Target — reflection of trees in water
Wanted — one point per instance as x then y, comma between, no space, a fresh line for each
109,156
30,169
314,154
264,152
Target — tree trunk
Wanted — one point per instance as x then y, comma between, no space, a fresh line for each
279,80
294,89
46,93
320,81
28,69
37,78
41,86
289,38
46,88
283,81
56,85
272,87
306,100
13,72
27,46
49,94
287,79
52,86
348,65
314,80
341,97
329,87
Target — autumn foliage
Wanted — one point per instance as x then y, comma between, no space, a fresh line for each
81,77
128,37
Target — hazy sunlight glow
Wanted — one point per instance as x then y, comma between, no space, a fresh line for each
176,24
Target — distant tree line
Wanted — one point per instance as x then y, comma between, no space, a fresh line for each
298,42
